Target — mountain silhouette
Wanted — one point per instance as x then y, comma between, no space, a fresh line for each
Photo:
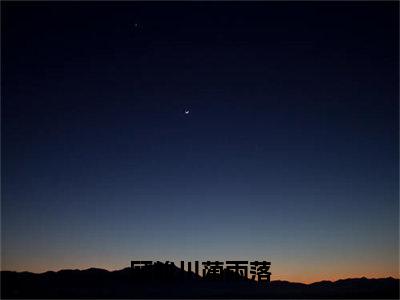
168,281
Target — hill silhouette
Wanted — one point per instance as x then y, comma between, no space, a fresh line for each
168,281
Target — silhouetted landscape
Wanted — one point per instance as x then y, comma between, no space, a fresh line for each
170,282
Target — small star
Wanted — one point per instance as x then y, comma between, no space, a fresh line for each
137,26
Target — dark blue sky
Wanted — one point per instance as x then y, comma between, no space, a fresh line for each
289,153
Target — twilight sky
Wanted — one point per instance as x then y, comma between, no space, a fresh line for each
289,152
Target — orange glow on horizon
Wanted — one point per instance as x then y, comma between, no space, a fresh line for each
306,278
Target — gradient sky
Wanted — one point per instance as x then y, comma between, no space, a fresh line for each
289,153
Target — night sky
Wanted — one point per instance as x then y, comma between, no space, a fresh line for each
289,151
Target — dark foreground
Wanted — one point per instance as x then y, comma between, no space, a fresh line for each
97,283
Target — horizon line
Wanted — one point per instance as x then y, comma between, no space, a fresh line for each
276,280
